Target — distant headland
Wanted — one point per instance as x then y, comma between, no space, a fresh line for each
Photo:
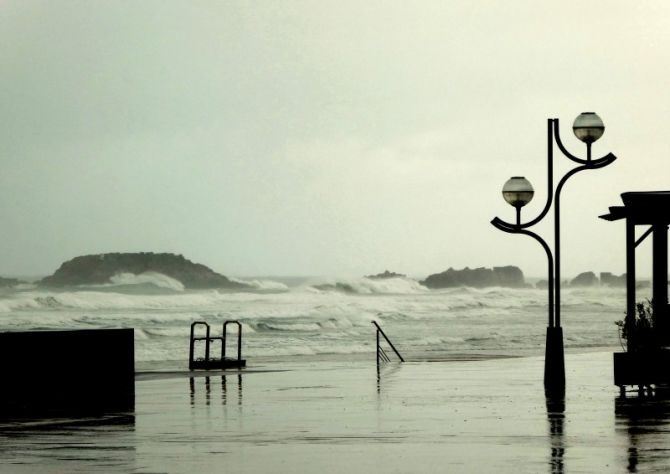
99,269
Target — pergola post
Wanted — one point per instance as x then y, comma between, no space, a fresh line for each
660,279
630,268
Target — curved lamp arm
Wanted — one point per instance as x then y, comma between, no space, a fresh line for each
514,229
572,157
552,132
600,163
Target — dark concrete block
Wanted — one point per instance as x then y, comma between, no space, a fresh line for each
67,372
643,368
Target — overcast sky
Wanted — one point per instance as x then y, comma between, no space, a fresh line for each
321,138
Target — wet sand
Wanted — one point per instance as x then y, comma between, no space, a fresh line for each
327,416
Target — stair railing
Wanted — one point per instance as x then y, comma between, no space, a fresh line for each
239,339
206,339
381,353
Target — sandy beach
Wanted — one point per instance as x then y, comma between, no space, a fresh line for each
327,416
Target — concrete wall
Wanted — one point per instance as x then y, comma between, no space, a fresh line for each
72,372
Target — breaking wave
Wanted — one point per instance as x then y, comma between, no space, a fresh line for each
263,285
151,278
367,286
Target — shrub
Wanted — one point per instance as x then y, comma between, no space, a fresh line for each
638,329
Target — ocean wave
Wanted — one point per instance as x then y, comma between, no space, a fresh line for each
367,286
146,278
263,285
309,324
299,327
48,302
314,322
325,306
183,331
107,300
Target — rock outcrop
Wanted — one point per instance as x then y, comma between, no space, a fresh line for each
608,279
8,282
542,284
99,269
386,274
509,276
585,279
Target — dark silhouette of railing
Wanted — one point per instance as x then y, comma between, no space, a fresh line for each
382,356
212,363
239,339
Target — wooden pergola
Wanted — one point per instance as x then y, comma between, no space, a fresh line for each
650,209
646,209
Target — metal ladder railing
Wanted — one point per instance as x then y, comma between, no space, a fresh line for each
207,340
213,363
381,353
239,339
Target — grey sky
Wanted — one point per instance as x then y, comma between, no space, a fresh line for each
340,137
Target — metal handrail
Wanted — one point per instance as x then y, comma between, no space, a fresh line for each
209,362
239,339
381,354
191,352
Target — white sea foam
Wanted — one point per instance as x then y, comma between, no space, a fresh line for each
306,321
153,278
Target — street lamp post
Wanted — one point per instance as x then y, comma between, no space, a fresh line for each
518,191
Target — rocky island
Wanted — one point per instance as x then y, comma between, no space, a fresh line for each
585,279
99,269
591,280
509,276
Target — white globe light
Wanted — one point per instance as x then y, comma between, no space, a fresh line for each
588,127
518,191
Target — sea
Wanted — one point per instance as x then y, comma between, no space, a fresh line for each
321,318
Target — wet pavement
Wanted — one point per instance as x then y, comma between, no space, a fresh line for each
327,416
